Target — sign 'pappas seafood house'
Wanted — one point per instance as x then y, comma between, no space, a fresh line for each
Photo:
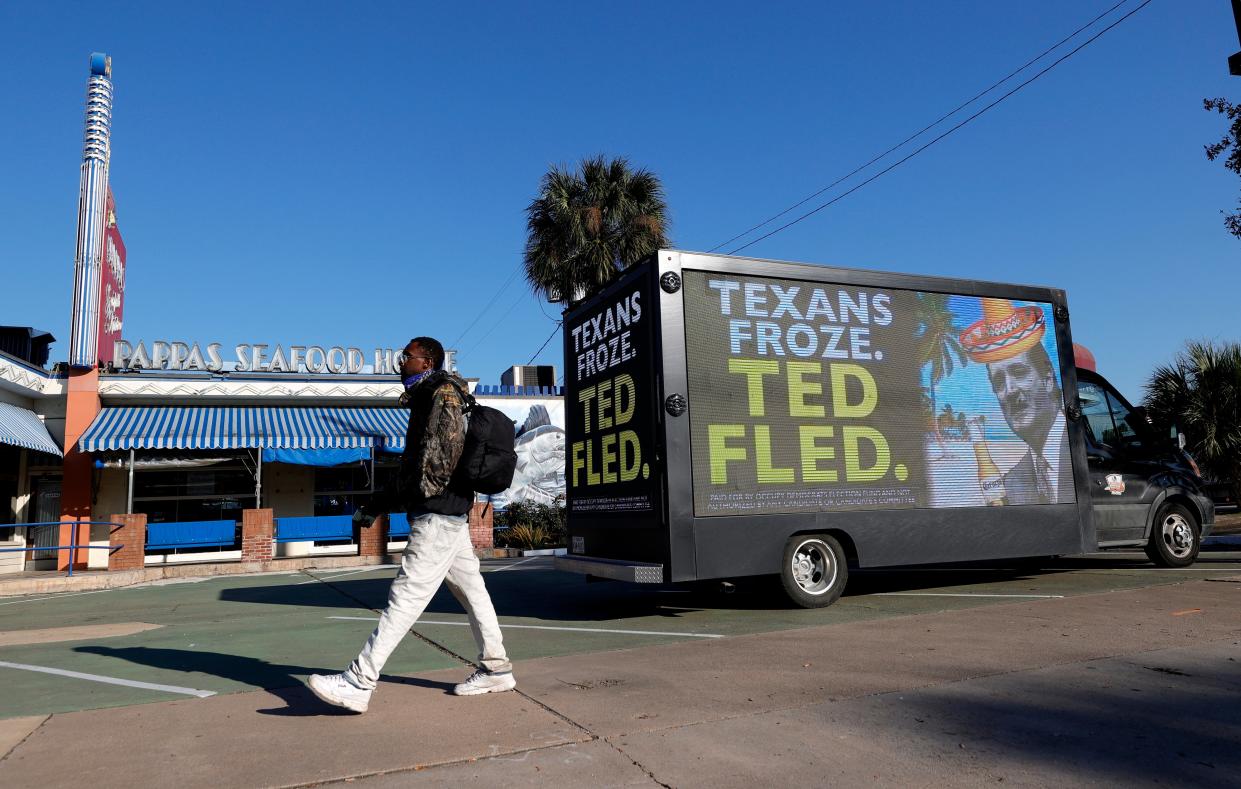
256,358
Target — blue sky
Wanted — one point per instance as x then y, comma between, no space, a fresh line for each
355,174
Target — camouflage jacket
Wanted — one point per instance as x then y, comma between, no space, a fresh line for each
433,444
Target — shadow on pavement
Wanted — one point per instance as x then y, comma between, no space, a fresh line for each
535,594
1141,724
285,682
554,596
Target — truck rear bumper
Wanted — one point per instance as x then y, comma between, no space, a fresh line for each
634,572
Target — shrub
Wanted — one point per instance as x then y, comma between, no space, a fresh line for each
523,521
525,536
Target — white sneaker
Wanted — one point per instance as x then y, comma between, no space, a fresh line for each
482,681
338,690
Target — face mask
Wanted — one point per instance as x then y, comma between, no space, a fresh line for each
407,396
414,379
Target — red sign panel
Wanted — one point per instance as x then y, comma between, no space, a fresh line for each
111,285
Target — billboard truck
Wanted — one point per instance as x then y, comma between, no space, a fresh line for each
729,417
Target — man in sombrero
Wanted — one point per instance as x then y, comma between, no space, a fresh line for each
1008,339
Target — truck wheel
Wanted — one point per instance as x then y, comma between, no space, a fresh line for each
1176,537
814,570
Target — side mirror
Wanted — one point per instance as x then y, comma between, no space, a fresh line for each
1139,415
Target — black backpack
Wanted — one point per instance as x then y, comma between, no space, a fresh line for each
489,459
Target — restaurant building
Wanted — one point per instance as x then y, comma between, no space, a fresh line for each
192,449
192,436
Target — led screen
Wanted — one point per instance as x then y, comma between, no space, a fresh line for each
608,405
807,396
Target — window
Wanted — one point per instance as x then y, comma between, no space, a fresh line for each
1109,422
1095,409
353,477
196,482
1128,433
194,494
340,490
9,459
8,514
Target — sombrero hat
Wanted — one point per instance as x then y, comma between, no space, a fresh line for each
1004,331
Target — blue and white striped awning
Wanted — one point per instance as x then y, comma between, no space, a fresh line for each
21,427
223,427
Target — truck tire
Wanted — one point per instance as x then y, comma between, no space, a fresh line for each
814,571
1175,537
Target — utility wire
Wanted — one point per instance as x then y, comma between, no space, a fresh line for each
545,342
483,311
499,320
545,315
922,148
890,150
924,129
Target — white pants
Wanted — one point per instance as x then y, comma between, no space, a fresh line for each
439,550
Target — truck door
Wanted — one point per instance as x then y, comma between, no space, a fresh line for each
1120,466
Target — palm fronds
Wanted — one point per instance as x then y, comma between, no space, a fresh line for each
588,224
1199,393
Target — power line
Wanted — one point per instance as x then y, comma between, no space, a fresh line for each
545,315
545,342
919,150
924,129
495,325
872,161
483,311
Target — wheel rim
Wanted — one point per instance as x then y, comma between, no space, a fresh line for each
1177,536
813,567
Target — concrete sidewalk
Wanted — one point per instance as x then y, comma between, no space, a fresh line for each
1123,688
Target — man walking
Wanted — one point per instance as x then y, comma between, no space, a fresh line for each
439,548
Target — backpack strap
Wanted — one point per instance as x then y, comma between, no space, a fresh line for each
468,398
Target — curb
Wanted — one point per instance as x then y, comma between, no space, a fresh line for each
93,580
546,552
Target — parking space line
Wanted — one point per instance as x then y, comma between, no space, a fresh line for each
1141,569
547,627
129,683
963,594
59,596
372,568
515,564
1084,568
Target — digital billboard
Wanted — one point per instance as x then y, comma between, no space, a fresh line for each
608,404
808,396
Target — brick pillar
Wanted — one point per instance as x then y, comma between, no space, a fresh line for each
256,535
482,534
131,536
372,538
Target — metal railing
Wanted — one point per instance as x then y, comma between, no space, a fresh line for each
73,545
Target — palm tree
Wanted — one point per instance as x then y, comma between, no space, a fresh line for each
939,345
1200,395
588,225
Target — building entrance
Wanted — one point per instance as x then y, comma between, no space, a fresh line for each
46,509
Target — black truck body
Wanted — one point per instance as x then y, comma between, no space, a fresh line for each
719,407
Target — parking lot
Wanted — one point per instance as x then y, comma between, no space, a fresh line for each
208,636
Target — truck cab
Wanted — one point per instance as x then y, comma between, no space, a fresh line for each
1144,489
